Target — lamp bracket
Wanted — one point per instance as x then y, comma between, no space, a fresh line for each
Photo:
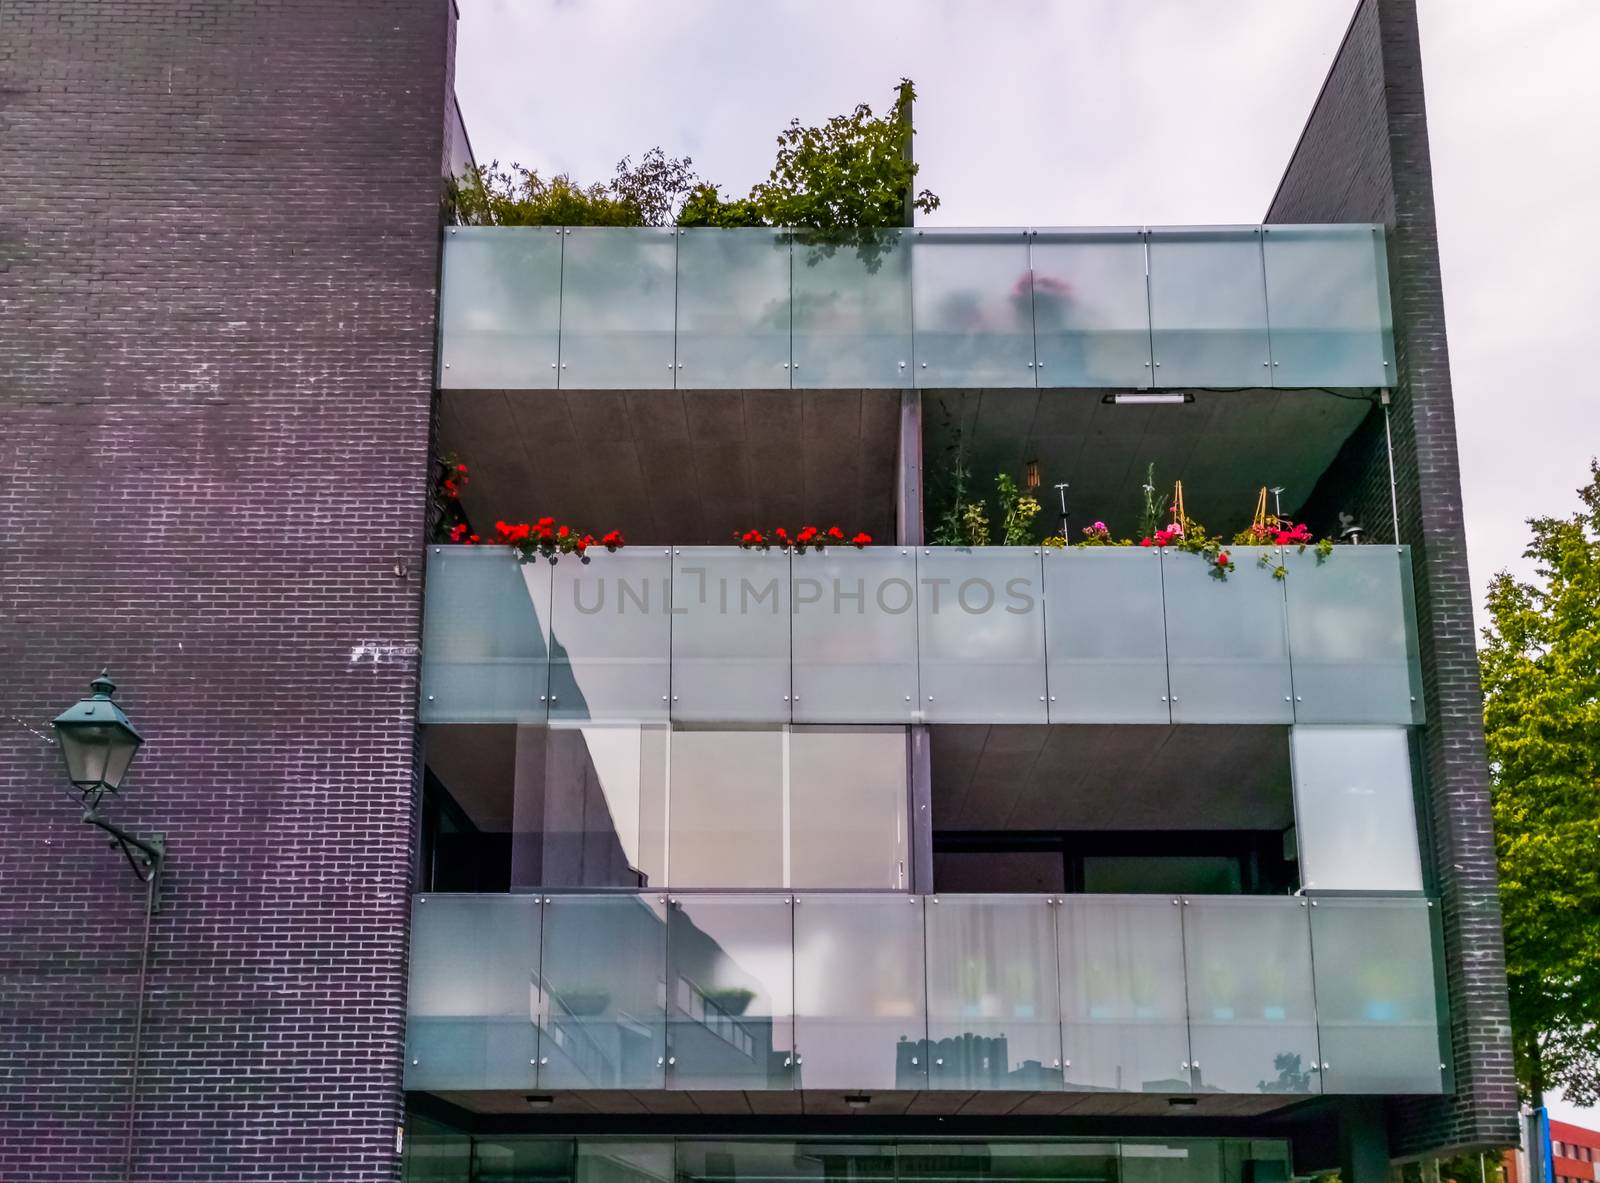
145,855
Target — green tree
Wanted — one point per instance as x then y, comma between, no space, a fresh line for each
648,193
1541,679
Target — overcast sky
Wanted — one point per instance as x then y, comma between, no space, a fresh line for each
1111,112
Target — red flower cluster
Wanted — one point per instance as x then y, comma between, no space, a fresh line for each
453,481
543,537
461,532
807,536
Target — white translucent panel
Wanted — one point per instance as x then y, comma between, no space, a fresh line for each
860,1004
847,807
1227,640
1355,813
855,635
618,293
1105,641
1252,1021
1208,308
852,310
733,308
1328,295
472,1003
1091,310
1378,998
730,634
727,808
484,651
1352,636
500,308
1124,1015
980,621
972,307
994,999
730,992
610,636
603,1005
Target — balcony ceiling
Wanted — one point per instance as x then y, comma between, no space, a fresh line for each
1105,777
683,467
1224,446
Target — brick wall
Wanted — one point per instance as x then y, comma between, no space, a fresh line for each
218,250
1364,157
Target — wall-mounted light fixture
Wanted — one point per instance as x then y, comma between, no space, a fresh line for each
1137,398
1033,474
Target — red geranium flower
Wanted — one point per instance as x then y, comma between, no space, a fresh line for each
835,533
861,540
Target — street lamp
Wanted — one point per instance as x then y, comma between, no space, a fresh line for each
98,744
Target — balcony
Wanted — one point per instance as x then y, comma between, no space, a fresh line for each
897,635
605,308
1275,997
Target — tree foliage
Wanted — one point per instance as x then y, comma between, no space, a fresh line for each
1541,678
648,193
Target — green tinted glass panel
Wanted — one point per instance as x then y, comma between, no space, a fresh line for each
484,651
852,310
972,306
1208,308
500,308
618,294
610,636
980,616
1227,640
855,635
1091,309
730,634
1105,645
1328,293
733,309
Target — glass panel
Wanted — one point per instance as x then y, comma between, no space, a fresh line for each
1227,640
1091,310
847,807
1008,1162
1124,1016
730,992
980,617
855,635
520,1160
972,307
617,1160
1208,310
1256,1160
604,993
484,657
610,636
589,806
1377,1005
1252,1022
860,1010
470,1009
994,1017
1327,292
727,815
618,287
1355,813
435,1154
1105,643
730,638
1189,1161
733,308
852,311
1350,637
764,1161
500,308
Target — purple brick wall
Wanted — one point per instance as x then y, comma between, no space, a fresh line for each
218,254
1364,157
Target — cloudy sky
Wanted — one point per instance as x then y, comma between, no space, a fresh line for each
1111,112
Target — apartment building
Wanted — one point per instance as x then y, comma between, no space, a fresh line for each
699,851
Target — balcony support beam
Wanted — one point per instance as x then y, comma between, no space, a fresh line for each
1363,1141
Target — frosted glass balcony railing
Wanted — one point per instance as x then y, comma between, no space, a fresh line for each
600,308
1151,994
920,635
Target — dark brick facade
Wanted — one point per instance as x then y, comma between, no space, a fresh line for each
1364,157
218,255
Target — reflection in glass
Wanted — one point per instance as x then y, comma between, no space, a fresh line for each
1252,1025
766,1161
1009,1162
1091,312
520,1160
500,308
1377,1001
610,636
1172,1162
603,993
1227,640
471,1005
1124,1015
727,814
618,1160
847,807
1328,289
852,311
1208,307
1355,812
980,620
994,1018
855,635
730,1004
733,308
730,634
483,637
860,1008
972,306
1106,649
618,287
